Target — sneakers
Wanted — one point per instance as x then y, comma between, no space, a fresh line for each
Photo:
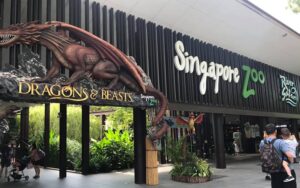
36,177
288,179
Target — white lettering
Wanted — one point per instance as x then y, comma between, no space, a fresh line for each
194,61
236,75
219,72
289,92
227,74
214,70
179,59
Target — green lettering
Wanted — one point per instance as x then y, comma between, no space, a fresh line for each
247,92
254,75
261,77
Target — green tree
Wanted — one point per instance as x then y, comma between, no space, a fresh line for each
294,5
122,118
36,124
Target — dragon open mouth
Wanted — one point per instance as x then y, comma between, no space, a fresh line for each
6,38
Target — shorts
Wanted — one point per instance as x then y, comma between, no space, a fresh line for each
5,163
38,163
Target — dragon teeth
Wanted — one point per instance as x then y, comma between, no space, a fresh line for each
6,37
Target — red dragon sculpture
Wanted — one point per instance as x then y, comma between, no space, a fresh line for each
88,55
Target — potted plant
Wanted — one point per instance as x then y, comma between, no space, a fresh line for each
187,166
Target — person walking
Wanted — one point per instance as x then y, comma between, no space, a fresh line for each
37,158
268,176
5,159
272,146
236,148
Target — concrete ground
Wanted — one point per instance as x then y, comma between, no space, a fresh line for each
243,172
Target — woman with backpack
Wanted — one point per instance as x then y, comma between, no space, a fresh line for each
37,158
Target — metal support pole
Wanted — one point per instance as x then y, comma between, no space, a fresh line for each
63,141
46,133
217,121
85,139
139,120
24,130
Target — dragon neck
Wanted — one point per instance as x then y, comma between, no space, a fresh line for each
56,43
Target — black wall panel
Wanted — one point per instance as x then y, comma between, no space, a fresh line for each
154,50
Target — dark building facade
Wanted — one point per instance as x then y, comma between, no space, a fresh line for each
196,76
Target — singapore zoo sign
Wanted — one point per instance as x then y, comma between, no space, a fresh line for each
215,71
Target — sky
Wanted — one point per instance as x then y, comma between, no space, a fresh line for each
279,10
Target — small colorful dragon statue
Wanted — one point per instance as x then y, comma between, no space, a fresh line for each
190,122
87,55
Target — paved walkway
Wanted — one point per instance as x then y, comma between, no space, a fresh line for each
246,174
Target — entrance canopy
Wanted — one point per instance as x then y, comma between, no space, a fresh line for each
100,74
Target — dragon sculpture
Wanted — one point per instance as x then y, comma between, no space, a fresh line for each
87,55
190,122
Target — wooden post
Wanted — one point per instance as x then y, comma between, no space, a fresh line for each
151,164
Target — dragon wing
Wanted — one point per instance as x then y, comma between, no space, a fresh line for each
105,50
199,119
181,121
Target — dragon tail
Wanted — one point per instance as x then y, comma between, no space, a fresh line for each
162,100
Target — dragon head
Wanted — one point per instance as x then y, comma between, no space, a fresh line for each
27,33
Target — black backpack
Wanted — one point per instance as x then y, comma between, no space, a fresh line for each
270,158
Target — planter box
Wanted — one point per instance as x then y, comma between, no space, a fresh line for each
188,179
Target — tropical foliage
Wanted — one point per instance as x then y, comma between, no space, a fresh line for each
114,151
73,152
185,162
121,118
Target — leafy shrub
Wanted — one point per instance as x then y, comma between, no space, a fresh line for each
53,158
120,119
36,125
73,152
174,150
100,163
185,162
113,152
115,142
195,168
